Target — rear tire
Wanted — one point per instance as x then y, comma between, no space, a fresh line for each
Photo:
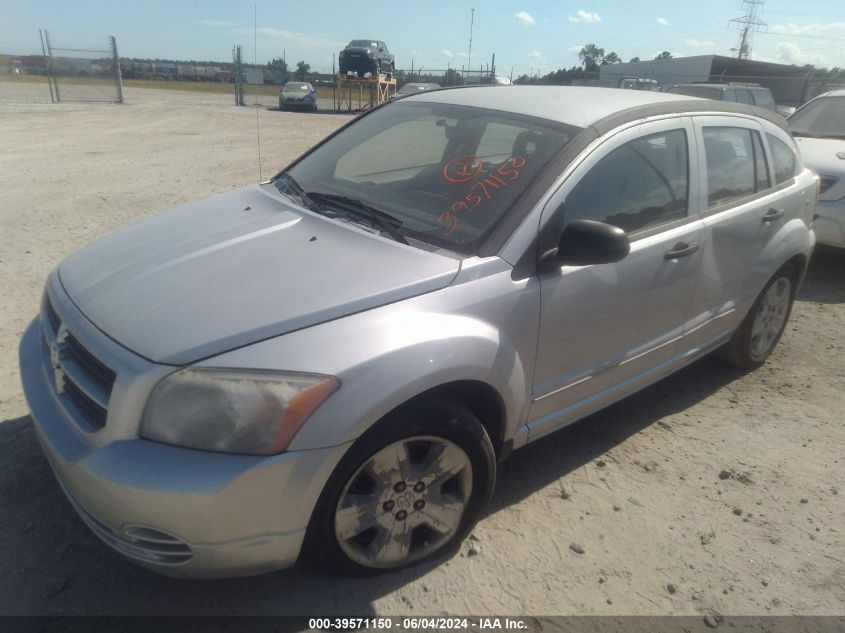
409,489
759,333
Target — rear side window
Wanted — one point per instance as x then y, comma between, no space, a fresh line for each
736,164
639,185
783,159
764,99
744,96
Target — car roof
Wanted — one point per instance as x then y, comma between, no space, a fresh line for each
833,93
584,106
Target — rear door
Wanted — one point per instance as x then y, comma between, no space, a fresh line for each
606,329
742,211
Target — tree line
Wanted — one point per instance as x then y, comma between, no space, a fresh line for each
592,57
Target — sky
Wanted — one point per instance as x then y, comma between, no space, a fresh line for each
526,37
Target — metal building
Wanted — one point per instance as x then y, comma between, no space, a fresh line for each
790,85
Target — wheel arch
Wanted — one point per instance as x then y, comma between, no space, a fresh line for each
482,399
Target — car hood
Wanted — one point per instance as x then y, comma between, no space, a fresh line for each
237,268
821,154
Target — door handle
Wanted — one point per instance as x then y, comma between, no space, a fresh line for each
772,215
682,249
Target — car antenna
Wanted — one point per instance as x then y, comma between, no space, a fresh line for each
255,64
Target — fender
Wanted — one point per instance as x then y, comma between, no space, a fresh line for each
386,356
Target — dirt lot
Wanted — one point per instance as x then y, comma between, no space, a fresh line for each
714,491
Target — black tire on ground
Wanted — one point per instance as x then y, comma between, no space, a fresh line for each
739,350
440,417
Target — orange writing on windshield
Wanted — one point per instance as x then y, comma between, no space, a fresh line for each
463,168
481,191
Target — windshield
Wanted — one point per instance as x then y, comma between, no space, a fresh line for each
448,174
289,87
823,117
705,92
362,44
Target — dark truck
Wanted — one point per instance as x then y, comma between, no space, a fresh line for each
366,56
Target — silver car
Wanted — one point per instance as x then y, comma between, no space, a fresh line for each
298,94
819,128
332,363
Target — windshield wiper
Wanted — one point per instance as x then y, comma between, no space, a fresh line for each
289,184
386,222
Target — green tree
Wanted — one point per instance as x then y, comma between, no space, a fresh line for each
633,60
591,56
611,58
664,55
452,78
278,64
302,69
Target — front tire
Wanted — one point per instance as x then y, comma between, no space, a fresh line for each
411,487
759,333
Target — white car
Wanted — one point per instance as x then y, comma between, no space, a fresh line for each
819,128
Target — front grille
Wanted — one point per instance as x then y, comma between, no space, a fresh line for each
82,381
98,372
92,412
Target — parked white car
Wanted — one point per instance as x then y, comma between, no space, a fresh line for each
819,128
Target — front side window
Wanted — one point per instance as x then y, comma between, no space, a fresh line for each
642,184
447,173
783,158
736,166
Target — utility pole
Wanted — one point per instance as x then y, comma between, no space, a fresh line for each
471,22
748,24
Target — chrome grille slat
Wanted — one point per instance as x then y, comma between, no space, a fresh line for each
91,388
83,383
96,370
93,414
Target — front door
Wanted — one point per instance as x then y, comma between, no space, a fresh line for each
605,330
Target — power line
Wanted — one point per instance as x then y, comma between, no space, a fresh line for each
750,22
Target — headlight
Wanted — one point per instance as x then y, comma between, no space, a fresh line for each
233,411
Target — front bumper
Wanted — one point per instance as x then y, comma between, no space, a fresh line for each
301,104
829,225
179,511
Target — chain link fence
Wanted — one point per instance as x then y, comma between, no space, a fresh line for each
82,74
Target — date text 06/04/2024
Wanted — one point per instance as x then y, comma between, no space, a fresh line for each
417,623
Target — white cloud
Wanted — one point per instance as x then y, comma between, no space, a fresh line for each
215,23
662,21
694,43
464,55
575,49
789,53
829,29
525,18
446,52
589,17
827,50
295,39
535,55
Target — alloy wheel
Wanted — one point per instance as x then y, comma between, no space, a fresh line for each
771,317
405,502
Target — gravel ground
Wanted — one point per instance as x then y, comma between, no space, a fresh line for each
713,492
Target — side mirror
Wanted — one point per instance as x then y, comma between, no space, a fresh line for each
585,242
